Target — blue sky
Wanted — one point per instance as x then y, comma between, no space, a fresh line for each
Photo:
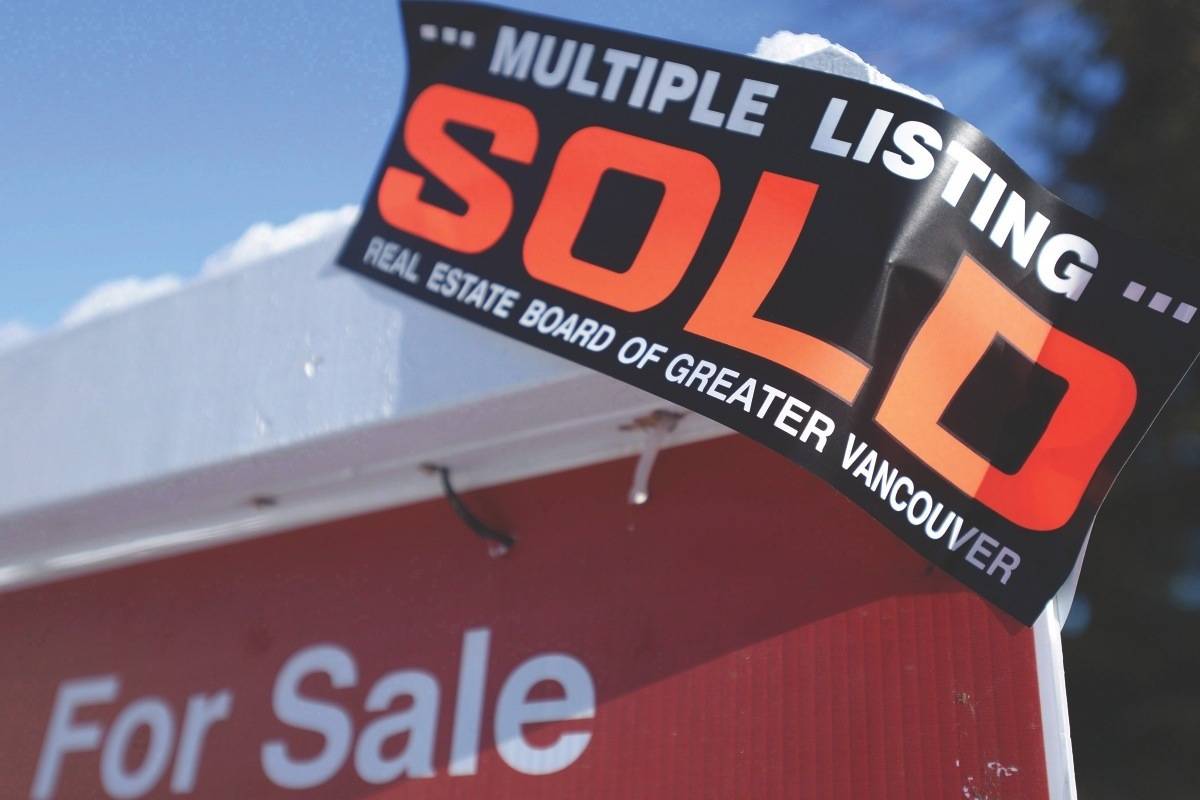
139,137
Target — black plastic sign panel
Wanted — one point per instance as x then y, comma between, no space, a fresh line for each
854,278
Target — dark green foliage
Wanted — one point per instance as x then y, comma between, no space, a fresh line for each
1133,675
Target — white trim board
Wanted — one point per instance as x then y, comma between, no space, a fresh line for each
536,431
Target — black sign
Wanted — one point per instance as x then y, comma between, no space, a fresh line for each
854,278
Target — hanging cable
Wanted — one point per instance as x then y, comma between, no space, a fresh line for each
500,541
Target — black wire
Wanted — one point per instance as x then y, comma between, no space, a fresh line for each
477,526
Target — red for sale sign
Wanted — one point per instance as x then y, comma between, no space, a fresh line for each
750,633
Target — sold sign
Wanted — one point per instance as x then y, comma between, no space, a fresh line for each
912,318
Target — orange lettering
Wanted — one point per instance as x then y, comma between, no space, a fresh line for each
764,242
973,310
691,188
489,199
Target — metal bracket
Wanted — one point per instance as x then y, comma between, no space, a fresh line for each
655,427
499,541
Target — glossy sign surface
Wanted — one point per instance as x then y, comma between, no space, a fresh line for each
856,279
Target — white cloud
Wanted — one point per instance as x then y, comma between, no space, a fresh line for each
119,294
263,239
14,333
260,241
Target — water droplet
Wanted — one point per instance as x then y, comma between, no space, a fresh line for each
262,425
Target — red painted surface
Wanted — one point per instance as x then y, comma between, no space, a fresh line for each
750,634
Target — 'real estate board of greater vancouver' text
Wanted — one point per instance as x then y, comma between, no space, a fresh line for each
852,277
